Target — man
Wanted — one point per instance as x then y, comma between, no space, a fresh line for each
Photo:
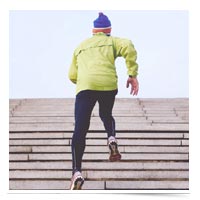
93,71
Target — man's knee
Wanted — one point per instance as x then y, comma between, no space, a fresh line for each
106,117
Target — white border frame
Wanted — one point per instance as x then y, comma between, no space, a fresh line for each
7,5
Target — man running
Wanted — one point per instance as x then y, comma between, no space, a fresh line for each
94,73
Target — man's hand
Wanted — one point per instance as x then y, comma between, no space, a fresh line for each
134,85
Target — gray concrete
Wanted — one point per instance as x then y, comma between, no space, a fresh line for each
153,137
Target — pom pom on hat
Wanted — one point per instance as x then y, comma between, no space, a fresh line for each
102,21
102,24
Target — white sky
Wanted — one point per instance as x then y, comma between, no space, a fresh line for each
42,44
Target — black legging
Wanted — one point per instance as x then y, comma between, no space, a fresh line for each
85,102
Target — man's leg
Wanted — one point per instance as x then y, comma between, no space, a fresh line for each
84,105
106,101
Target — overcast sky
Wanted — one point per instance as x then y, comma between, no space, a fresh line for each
42,44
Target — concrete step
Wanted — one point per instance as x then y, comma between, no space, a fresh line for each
149,142
99,156
43,135
148,185
71,119
52,185
98,175
63,165
91,149
98,127
99,185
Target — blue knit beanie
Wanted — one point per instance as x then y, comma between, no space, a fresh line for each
102,21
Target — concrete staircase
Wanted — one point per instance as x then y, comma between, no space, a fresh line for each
152,134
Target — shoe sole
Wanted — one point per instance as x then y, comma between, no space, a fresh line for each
114,158
115,155
78,184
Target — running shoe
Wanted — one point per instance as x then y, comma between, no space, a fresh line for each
76,181
114,153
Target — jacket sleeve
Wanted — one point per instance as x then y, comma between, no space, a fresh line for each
72,74
125,48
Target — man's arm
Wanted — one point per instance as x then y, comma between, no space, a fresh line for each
126,49
73,70
134,85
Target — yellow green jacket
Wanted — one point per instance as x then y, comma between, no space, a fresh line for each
93,63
